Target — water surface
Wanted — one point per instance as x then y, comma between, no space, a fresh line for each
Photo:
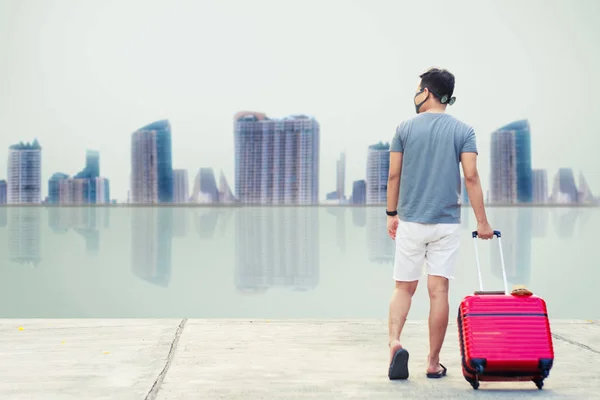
283,262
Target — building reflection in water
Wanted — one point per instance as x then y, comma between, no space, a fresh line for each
564,220
3,216
59,219
151,240
340,226
225,218
87,221
276,247
359,216
516,225
24,235
180,218
583,219
380,246
206,221
540,217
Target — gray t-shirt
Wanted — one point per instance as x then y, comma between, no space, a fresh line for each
431,144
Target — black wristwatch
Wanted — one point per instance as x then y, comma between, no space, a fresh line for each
391,213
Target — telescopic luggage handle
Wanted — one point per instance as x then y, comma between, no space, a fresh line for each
498,234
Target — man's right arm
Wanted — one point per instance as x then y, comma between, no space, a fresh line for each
473,185
468,159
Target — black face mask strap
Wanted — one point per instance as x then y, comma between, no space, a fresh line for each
418,106
445,99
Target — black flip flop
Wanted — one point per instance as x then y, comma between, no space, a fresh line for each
437,375
399,365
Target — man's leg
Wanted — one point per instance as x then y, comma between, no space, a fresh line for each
408,265
399,308
438,320
441,260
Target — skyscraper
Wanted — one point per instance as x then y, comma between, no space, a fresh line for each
3,192
332,197
205,187
276,160
378,168
511,164
92,163
84,183
564,189
502,160
359,192
86,187
341,177
151,164
24,184
584,192
522,132
80,191
54,187
102,190
540,186
225,193
180,186
65,191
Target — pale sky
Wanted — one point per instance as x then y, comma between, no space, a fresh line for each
79,74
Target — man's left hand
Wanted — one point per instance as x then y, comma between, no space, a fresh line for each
392,226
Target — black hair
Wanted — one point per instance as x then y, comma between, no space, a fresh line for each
439,81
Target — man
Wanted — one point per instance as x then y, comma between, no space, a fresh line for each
425,154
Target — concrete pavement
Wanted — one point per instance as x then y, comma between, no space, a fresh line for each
82,359
242,359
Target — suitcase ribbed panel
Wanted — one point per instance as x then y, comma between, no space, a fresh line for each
510,332
503,303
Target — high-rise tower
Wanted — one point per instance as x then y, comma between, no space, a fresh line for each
511,173
24,183
378,168
151,164
276,160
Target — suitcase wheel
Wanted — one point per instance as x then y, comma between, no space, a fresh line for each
474,382
539,383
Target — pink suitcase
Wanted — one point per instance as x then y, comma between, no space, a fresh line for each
504,337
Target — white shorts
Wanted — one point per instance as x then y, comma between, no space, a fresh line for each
417,244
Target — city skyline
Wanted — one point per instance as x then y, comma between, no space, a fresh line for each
289,145
358,79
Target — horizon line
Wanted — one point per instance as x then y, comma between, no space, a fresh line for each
247,205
